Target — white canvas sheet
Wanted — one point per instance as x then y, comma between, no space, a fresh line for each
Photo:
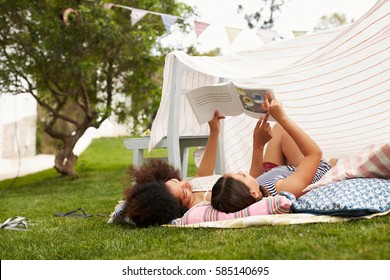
334,84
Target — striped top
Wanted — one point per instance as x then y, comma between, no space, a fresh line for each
268,179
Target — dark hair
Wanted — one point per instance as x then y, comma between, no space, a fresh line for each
153,170
152,204
230,195
148,200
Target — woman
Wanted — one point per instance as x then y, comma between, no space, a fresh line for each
159,195
236,191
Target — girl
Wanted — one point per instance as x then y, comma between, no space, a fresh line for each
236,191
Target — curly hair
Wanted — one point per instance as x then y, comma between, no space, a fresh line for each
152,204
154,170
148,200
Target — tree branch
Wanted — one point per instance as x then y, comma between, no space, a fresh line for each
85,97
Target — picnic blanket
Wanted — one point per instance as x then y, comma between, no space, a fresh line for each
275,220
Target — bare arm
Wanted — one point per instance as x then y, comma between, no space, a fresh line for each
207,164
261,135
312,154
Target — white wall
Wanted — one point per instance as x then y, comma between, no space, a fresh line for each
22,109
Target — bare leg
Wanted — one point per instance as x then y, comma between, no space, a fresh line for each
281,149
291,150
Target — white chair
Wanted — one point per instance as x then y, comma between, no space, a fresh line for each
178,146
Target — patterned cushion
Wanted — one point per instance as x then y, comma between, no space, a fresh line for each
371,162
206,213
353,197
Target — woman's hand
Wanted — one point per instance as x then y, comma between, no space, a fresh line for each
207,164
262,133
273,107
214,124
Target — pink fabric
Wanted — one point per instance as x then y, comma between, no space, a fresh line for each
266,206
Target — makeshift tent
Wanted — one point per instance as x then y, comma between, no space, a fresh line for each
334,84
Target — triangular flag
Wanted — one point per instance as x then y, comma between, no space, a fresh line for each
267,35
107,6
298,33
200,27
136,15
168,21
232,33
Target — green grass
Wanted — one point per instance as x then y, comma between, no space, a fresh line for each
101,184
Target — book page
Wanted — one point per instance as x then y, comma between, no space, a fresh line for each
251,100
206,100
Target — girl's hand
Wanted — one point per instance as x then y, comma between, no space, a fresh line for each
273,107
214,123
262,133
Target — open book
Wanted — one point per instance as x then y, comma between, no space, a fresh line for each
229,99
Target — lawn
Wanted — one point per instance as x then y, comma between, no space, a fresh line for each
101,184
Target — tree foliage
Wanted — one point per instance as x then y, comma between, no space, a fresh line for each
82,63
264,17
331,21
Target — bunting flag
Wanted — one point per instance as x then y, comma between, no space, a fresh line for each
298,33
232,33
136,15
168,21
200,27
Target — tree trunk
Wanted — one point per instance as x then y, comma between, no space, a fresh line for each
65,164
68,132
65,160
